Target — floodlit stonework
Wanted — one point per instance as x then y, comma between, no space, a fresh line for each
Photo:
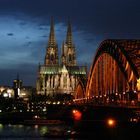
59,78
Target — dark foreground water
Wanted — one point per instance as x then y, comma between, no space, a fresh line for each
38,132
87,131
94,124
29,132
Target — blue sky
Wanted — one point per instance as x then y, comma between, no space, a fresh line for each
25,26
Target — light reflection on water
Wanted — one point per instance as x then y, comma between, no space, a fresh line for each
25,132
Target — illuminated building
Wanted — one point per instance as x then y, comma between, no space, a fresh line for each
20,91
17,90
26,92
6,91
17,84
58,78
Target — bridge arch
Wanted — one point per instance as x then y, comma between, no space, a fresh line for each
80,89
115,69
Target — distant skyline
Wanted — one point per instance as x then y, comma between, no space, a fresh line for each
25,27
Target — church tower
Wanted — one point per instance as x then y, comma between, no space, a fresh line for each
68,56
54,78
51,57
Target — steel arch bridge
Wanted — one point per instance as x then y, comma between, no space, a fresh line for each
115,72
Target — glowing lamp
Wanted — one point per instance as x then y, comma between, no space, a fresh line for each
111,122
5,95
76,114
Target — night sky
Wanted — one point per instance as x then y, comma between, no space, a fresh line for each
25,26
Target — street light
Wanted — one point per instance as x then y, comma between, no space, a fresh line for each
9,91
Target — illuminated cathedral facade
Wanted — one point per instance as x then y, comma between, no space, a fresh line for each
60,75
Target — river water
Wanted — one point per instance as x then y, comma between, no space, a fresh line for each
29,132
38,132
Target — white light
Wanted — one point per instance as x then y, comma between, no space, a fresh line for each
18,91
10,95
5,95
58,102
35,116
23,94
44,109
9,91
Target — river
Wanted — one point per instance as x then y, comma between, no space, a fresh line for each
29,132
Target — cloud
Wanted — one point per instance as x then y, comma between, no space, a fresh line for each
29,46
27,37
25,26
44,36
10,34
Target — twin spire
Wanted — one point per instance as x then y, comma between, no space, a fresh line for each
52,40
68,55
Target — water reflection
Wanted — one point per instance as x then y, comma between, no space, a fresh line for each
43,130
36,132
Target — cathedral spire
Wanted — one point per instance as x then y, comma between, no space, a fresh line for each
51,57
68,49
69,34
52,41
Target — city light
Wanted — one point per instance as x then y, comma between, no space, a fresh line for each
76,114
5,95
9,91
111,122
2,89
138,84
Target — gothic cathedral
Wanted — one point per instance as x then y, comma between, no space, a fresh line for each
56,77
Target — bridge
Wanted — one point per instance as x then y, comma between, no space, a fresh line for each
114,75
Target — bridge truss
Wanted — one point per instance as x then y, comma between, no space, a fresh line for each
115,72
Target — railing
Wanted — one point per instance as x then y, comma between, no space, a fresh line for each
107,102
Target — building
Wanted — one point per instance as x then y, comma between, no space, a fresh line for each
17,84
27,92
20,91
59,76
6,91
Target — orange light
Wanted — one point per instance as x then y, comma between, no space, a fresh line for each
77,114
74,111
111,122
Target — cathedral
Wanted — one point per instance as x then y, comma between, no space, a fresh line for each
60,75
